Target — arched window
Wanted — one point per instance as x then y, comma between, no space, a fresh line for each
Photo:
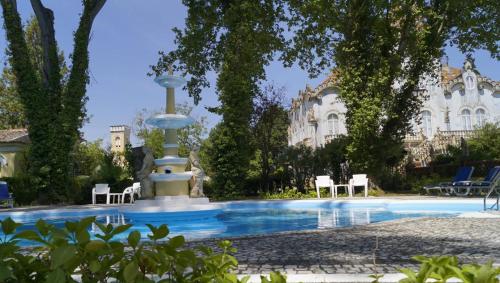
466,120
427,123
333,124
480,117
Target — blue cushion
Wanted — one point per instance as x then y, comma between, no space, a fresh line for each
4,191
463,174
492,173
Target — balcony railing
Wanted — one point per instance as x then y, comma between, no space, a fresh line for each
329,138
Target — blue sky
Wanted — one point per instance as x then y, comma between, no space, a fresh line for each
126,38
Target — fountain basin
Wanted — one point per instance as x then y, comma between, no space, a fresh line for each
173,204
170,121
171,160
170,81
171,177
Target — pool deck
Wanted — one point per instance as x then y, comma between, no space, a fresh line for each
352,250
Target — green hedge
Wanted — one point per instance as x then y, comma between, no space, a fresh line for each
23,188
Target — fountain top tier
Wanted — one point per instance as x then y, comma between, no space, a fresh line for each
170,81
170,121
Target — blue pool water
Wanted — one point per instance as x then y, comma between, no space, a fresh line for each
258,217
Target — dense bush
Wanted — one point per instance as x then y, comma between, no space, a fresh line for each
69,254
23,187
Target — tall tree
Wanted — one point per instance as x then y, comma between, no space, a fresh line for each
269,126
382,50
236,39
54,113
11,108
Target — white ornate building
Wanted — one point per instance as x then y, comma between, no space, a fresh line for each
458,102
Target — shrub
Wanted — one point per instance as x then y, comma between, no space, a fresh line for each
24,189
443,268
295,194
63,254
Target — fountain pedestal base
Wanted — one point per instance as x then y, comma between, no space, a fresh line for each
171,204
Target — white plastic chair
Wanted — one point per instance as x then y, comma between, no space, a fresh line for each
325,181
100,189
134,189
358,180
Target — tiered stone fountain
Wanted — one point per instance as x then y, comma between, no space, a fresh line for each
171,181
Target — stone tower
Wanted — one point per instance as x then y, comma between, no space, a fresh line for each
120,136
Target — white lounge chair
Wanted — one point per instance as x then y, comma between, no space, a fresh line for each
358,180
101,189
324,181
133,190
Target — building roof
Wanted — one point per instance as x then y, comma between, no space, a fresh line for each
14,136
449,77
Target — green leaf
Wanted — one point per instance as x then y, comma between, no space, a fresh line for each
85,223
121,229
82,236
133,238
42,227
95,246
5,273
56,276
130,272
9,225
29,235
94,266
71,226
177,242
62,255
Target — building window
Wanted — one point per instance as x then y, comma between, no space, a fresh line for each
469,82
333,124
480,117
3,160
427,123
466,120
118,142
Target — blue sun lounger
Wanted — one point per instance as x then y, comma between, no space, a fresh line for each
465,188
463,174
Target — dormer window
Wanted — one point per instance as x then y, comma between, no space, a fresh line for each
469,82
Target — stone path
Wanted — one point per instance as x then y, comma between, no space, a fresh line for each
351,250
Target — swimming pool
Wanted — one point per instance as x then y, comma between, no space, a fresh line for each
244,218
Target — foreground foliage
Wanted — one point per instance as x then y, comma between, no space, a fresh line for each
444,268
69,253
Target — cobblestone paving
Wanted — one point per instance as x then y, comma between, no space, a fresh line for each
351,250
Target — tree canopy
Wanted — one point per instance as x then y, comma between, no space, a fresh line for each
236,39
381,51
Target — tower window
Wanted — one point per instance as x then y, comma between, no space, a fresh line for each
118,142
